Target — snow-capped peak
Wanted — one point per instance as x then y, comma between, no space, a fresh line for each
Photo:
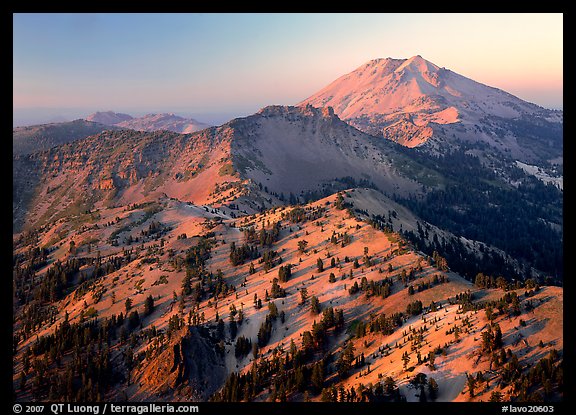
417,64
386,86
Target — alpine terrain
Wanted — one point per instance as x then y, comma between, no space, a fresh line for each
413,102
397,236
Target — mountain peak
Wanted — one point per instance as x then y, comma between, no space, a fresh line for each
382,86
382,65
417,64
108,117
397,62
164,121
163,117
388,87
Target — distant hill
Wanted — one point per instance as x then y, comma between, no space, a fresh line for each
170,122
26,140
108,117
149,122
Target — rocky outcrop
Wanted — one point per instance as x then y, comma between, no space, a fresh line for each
189,366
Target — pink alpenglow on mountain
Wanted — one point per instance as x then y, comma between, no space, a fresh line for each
405,100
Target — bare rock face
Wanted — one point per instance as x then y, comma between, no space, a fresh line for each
189,368
106,184
306,149
204,369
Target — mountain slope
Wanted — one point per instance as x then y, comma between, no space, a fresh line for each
295,154
108,117
412,100
117,167
282,149
181,256
26,140
303,149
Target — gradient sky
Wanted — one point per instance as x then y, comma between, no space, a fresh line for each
238,63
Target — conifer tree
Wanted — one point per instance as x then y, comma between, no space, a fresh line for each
314,305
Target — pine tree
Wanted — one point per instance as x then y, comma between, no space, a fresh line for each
233,328
320,265
314,305
273,310
422,397
128,304
307,341
317,377
303,295
431,359
220,329
497,337
405,359
133,320
299,380
339,203
255,350
276,290
344,362
471,385
148,305
284,273
480,280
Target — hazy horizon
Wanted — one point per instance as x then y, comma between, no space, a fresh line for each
23,117
235,64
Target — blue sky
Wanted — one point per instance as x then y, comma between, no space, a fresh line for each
238,63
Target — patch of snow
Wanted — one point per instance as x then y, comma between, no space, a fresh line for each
541,174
